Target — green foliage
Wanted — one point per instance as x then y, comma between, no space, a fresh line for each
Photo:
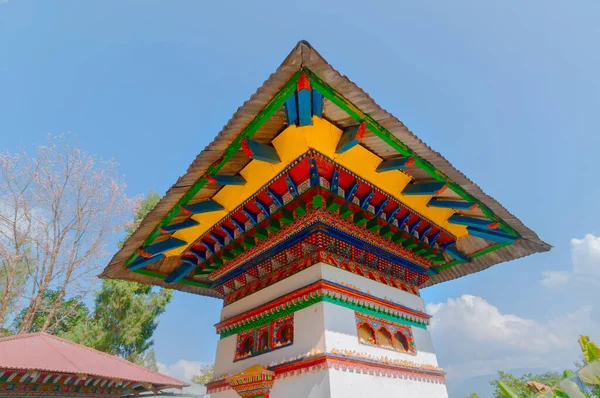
205,375
70,313
519,384
145,207
595,389
124,319
473,395
125,313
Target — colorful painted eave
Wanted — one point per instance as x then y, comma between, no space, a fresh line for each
40,364
345,105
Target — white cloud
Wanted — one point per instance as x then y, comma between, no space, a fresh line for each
554,279
183,369
585,259
474,338
585,254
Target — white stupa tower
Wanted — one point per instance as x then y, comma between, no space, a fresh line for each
317,217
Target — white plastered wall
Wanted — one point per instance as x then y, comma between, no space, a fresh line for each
326,326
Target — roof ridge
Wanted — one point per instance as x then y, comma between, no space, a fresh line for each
52,337
114,357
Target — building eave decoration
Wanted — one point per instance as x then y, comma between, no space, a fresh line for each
18,382
253,382
346,361
322,291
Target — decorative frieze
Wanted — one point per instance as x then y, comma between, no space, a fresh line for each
346,361
276,334
338,294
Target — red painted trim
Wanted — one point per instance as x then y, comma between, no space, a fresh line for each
410,162
144,254
303,82
316,286
211,180
246,148
441,190
361,131
328,361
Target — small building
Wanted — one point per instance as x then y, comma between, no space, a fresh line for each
39,364
317,217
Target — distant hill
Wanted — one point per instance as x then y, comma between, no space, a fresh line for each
481,384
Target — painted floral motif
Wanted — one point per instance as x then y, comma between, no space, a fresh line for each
276,334
344,360
385,334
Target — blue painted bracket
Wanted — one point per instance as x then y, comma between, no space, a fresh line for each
141,262
427,188
392,214
434,238
210,248
228,231
263,207
394,164
380,206
366,200
350,137
184,269
493,235
424,232
226,180
275,197
451,204
458,255
253,217
335,181
291,109
291,185
350,191
199,254
414,226
317,103
483,223
304,108
202,207
402,221
238,225
315,180
256,150
218,238
167,229
161,247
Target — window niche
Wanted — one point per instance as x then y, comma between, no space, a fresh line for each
385,334
276,334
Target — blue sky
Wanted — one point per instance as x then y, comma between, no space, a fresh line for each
508,91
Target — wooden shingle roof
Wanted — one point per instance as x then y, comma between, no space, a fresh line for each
345,105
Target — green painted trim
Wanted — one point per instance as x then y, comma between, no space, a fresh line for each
162,276
353,111
479,253
329,93
302,303
264,115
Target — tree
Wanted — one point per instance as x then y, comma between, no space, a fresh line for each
59,209
473,395
69,313
124,320
519,384
125,313
206,374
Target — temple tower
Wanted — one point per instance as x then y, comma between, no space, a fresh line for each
317,217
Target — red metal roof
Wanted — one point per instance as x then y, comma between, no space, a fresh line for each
44,352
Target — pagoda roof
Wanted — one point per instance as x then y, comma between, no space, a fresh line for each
263,118
31,358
